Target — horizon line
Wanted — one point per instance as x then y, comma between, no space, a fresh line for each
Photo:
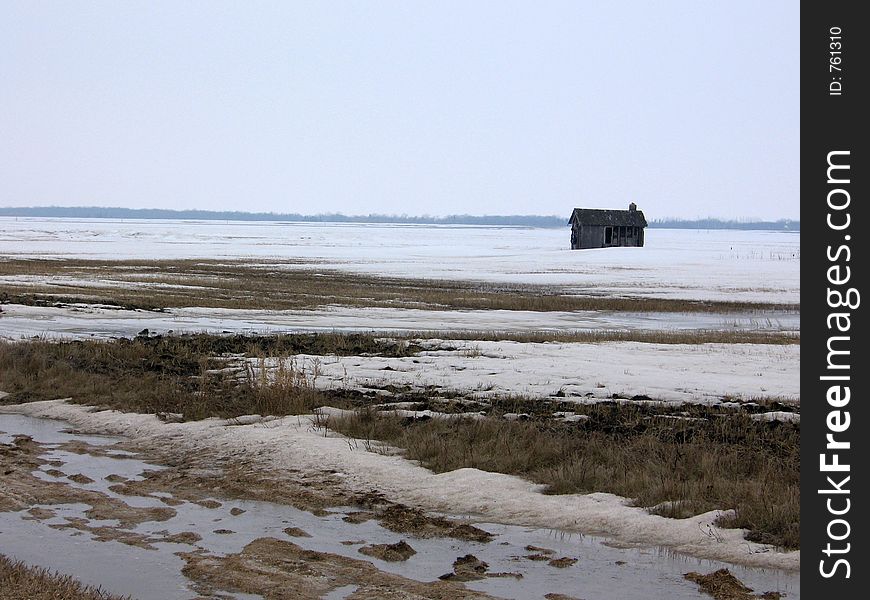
9,210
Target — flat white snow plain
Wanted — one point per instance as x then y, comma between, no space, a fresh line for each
489,496
697,373
752,266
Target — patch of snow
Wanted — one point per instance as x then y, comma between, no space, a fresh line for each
250,419
333,412
516,416
579,372
78,322
431,414
396,405
778,415
570,417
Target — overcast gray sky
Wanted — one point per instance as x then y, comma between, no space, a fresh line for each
687,108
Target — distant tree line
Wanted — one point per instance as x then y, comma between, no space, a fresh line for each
100,212
710,223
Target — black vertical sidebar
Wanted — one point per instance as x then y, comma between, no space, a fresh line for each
835,420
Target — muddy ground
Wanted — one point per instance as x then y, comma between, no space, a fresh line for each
144,506
267,566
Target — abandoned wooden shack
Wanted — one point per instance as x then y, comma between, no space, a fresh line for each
595,228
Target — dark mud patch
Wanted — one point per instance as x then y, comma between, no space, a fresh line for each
358,517
109,534
130,538
471,568
128,516
171,501
296,532
184,537
272,568
80,447
398,552
22,490
562,563
200,480
80,478
537,557
722,585
403,519
208,503
39,514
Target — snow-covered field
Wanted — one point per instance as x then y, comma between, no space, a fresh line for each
708,265
88,321
730,265
581,372
693,264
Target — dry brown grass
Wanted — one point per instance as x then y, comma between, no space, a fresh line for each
287,285
169,375
19,581
675,467
722,585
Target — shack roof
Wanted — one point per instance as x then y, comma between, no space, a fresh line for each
619,218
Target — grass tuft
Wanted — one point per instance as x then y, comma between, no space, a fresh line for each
18,580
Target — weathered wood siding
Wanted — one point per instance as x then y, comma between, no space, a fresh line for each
594,236
606,228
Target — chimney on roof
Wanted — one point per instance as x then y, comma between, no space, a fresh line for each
632,207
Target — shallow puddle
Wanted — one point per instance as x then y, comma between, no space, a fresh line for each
532,562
